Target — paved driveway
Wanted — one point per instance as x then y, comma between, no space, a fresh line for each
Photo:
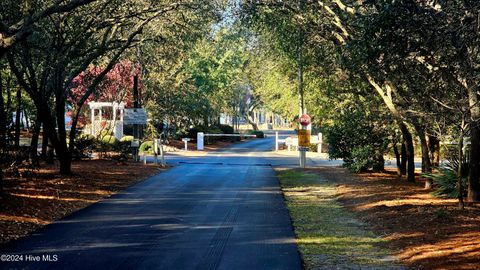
221,211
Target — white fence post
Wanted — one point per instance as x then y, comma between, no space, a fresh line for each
276,140
200,138
320,141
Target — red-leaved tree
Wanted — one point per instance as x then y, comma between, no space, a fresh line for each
117,86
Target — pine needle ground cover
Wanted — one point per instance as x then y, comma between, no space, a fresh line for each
423,231
328,235
33,201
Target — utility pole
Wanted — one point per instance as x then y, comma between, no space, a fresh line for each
300,41
301,37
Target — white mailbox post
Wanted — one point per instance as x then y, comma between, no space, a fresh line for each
200,140
186,140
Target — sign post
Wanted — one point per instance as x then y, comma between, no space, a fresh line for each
303,139
135,144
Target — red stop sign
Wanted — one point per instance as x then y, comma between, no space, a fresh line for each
305,119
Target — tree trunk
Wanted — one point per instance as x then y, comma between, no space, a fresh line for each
379,165
397,158
474,171
43,155
426,165
434,149
386,93
34,143
3,131
27,122
61,148
50,157
3,119
49,132
17,118
8,107
407,137
1,181
403,165
251,121
461,204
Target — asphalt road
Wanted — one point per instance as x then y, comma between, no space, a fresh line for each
221,211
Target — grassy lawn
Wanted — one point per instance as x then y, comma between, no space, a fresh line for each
329,236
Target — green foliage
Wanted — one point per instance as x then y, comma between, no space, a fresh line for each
358,136
105,132
204,84
226,129
83,146
446,184
213,130
146,146
258,133
150,131
122,151
446,180
109,139
127,138
192,133
362,158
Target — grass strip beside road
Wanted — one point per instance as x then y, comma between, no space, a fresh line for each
328,235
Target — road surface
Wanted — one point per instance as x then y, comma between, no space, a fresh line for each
221,211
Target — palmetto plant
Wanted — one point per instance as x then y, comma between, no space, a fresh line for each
445,180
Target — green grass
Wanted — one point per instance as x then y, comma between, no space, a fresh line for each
327,234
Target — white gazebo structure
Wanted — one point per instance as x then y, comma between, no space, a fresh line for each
115,124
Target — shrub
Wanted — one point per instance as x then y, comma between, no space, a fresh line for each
122,150
83,146
358,137
258,133
192,133
106,144
109,139
446,181
183,133
226,129
146,146
105,132
312,147
127,138
361,159
213,130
